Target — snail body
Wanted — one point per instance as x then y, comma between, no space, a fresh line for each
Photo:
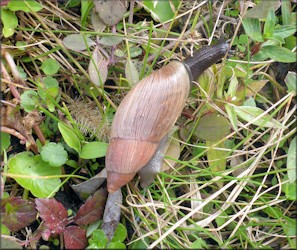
147,113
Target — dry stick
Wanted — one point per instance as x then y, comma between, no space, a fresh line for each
12,88
15,133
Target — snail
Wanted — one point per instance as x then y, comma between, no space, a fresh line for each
147,113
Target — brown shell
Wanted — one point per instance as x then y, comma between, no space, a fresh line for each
144,117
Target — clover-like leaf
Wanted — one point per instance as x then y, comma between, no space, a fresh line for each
32,173
54,154
50,66
28,100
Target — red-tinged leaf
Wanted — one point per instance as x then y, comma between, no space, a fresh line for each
17,213
53,213
75,238
93,208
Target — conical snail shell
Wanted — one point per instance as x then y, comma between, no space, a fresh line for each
143,118
148,112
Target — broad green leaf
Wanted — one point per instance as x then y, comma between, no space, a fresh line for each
54,154
9,21
161,11
251,114
290,190
212,127
31,167
7,32
250,102
232,116
291,160
50,85
261,10
86,6
279,54
269,24
98,239
28,100
78,42
284,31
132,74
120,233
252,28
290,81
110,40
70,137
199,244
5,141
116,245
93,150
217,158
250,89
135,51
50,66
16,5
232,87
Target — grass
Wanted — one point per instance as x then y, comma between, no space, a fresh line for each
234,199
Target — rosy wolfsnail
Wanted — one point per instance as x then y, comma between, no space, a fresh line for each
146,114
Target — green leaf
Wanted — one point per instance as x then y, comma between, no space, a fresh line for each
290,80
110,40
32,167
251,114
199,244
284,31
93,150
279,54
212,127
232,116
116,245
78,42
120,233
290,191
70,137
269,24
140,244
217,159
28,100
50,66
85,9
10,22
50,82
261,10
252,28
291,161
98,239
5,141
131,72
161,11
54,154
16,5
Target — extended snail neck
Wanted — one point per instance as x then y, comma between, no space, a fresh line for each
204,58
